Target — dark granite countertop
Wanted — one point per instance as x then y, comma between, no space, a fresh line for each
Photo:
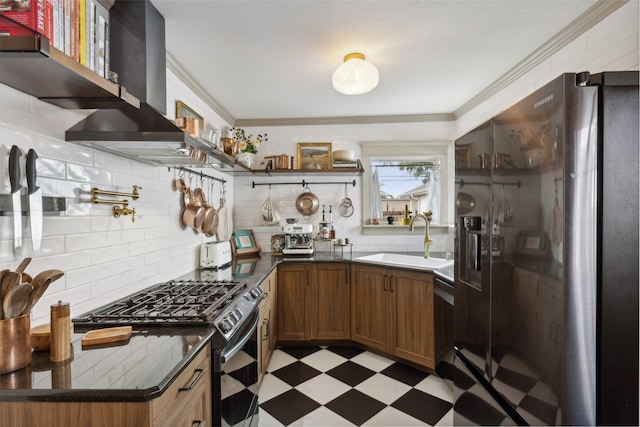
141,368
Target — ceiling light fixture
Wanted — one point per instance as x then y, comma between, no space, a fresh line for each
355,76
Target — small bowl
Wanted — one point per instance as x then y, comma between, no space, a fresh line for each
292,220
344,155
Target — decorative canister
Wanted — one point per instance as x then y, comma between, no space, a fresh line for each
15,350
247,159
229,145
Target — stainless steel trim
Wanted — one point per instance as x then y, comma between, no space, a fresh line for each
228,354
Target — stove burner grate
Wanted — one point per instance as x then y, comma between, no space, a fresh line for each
177,302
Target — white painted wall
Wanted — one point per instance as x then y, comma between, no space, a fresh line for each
105,258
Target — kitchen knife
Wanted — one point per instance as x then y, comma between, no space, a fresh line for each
14,179
35,200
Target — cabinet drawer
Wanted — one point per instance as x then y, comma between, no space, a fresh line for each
175,406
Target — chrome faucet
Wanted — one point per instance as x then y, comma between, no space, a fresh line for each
427,239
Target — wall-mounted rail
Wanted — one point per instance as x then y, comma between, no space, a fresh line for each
200,174
303,183
462,183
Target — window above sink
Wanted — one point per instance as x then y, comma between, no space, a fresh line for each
418,174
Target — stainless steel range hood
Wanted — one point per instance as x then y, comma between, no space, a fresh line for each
138,56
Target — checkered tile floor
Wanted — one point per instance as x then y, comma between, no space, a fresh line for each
345,386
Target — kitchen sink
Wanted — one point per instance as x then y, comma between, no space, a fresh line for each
401,260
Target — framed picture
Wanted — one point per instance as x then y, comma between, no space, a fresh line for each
244,267
532,243
463,156
314,155
244,243
182,110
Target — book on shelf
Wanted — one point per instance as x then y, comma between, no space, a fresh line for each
347,164
23,17
78,28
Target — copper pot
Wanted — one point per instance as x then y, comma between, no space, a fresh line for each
15,336
193,216
281,161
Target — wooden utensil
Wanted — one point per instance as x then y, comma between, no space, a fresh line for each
38,290
16,300
23,265
41,337
10,279
107,335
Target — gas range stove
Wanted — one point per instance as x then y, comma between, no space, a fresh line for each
220,303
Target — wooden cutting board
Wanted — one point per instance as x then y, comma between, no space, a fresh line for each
107,335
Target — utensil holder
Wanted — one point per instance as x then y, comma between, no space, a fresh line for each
15,350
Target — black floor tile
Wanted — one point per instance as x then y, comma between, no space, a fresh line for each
516,380
404,373
289,406
445,370
355,406
296,373
350,373
423,406
300,352
247,375
539,409
346,352
236,407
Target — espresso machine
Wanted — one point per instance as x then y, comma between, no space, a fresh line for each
298,239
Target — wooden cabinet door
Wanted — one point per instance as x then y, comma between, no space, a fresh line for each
410,309
369,306
331,293
294,301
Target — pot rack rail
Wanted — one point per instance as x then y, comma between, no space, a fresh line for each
462,183
304,183
202,175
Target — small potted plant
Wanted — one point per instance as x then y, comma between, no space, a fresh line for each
247,146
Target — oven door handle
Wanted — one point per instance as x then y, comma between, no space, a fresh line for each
233,350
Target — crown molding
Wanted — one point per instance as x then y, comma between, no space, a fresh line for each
579,26
348,120
177,68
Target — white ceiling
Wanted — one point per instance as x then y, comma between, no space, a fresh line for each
271,59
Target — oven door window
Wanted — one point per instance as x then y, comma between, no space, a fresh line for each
239,376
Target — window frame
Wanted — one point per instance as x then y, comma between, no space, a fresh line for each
405,150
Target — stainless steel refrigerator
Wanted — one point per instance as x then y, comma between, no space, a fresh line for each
546,278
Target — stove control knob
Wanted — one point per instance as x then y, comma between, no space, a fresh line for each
235,316
226,325
256,292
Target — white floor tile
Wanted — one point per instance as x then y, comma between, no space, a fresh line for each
437,387
271,387
447,420
383,388
372,361
279,359
321,417
323,388
324,360
266,420
392,417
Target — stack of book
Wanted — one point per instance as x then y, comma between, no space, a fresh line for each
347,164
79,28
